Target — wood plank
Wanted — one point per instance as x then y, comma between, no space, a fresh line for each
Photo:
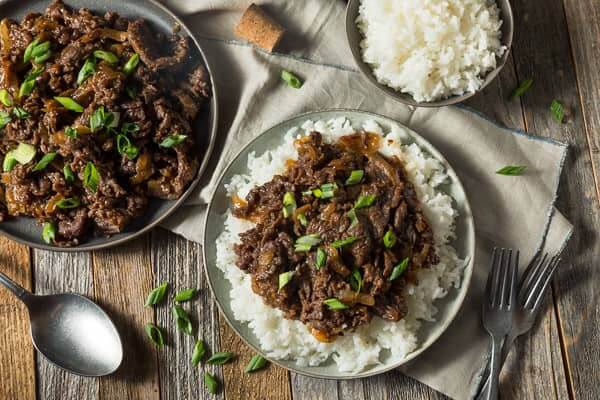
122,279
272,383
56,273
17,365
179,262
543,52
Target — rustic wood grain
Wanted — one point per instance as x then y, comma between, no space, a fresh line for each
179,262
55,273
122,279
271,383
543,52
17,367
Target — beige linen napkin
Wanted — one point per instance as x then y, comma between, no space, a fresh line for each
509,211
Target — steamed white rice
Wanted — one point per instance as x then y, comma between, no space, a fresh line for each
281,338
431,49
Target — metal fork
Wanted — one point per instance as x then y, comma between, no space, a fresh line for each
499,301
532,288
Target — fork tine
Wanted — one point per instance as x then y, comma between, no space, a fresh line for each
530,274
537,283
514,274
496,288
506,278
490,282
544,281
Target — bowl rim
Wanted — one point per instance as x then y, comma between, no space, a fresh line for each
468,267
213,127
405,98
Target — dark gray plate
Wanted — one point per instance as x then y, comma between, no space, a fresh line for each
27,230
464,243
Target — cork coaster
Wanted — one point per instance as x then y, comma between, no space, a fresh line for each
259,28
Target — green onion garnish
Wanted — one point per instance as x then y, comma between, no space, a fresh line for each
557,110
43,163
91,177
20,113
9,162
6,98
88,69
36,51
172,140
156,295
220,358
24,153
124,146
335,304
5,118
257,362
365,201
182,319
521,89
399,269
285,278
71,202
302,219
102,119
29,82
353,218
155,334
356,280
305,243
291,79
320,258
211,383
389,239
131,64
49,232
107,56
355,177
69,175
69,104
185,295
328,190
289,204
198,353
129,127
512,170
29,49
338,244
71,132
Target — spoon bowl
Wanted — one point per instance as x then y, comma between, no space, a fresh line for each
71,331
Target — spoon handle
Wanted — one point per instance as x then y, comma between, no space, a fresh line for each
13,287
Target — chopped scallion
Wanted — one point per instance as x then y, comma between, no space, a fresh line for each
512,170
365,201
88,69
71,202
320,258
289,204
399,269
389,239
69,104
91,177
107,56
335,304
172,140
338,244
24,153
43,163
131,64
6,98
355,177
284,279
49,232
9,162
69,175
291,79
155,334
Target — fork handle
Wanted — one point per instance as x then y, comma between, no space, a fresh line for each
508,342
492,390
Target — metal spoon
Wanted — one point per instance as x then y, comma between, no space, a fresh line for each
71,331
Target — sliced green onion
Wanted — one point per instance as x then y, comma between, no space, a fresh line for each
124,146
356,280
198,353
91,177
131,92
103,119
49,232
335,304
131,64
355,177
512,170
20,113
389,239
338,244
6,98
69,104
185,295
40,49
156,295
305,243
9,162
69,175
353,218
285,278
182,319
291,79
172,140
302,219
399,269
129,127
289,204
5,118
71,202
307,193
365,201
71,132
88,69
320,258
107,56
155,334
220,358
24,153
44,57
29,83
557,110
521,89
211,383
43,163
318,193
27,55
257,362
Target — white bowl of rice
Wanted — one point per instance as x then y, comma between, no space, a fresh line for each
430,53
433,301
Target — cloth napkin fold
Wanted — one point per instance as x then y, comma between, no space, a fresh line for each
515,212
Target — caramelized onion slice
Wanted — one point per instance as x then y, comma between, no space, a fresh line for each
350,297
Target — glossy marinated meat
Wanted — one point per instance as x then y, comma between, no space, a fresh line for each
132,122
357,280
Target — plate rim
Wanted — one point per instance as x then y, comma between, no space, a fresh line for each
213,130
467,268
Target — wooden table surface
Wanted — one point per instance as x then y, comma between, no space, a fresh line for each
557,44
